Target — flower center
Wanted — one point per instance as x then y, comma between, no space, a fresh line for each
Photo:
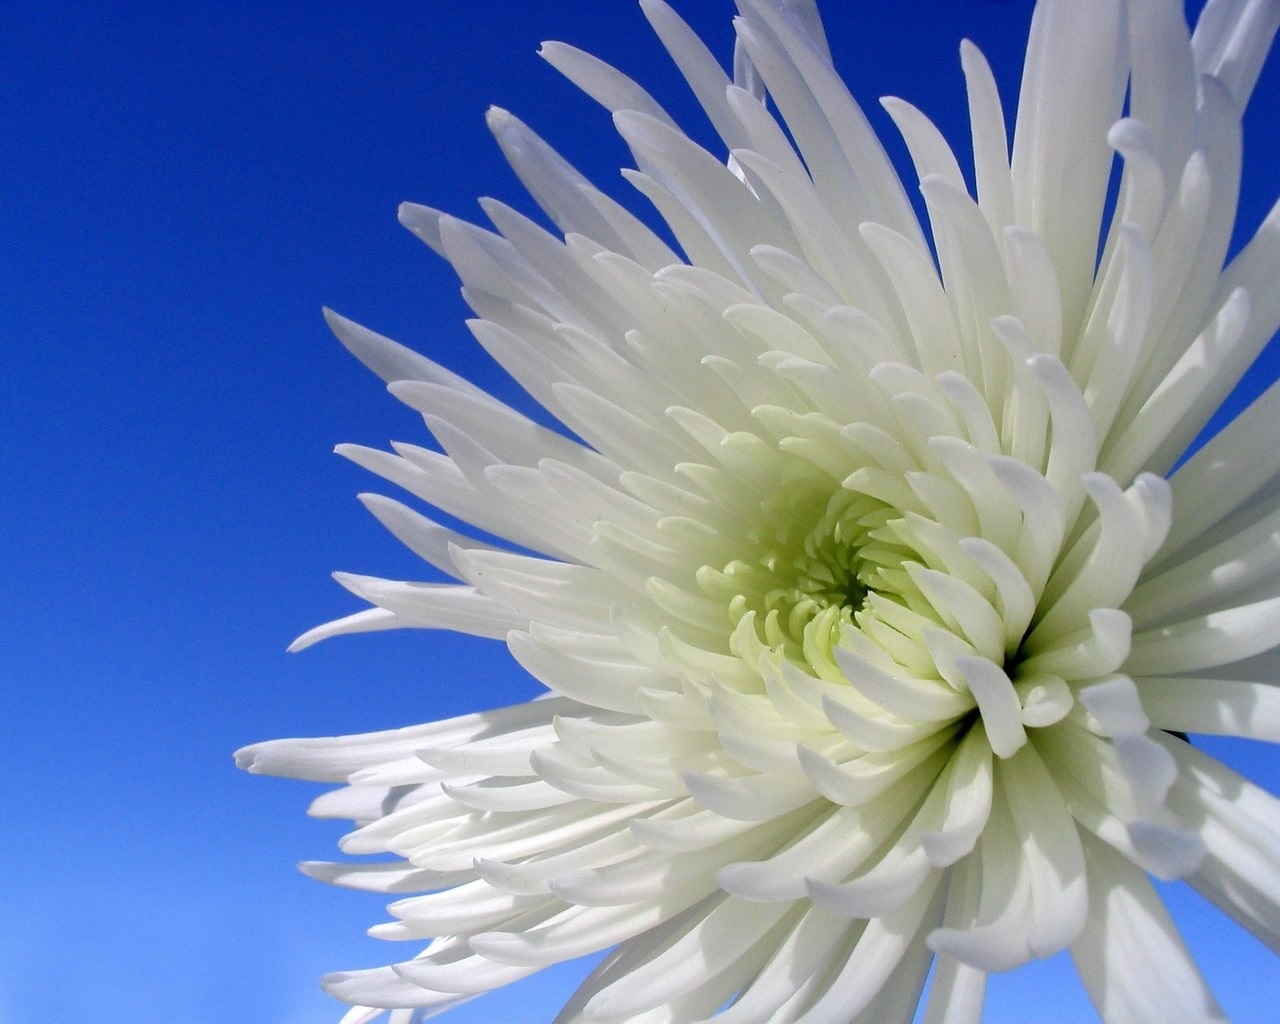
815,560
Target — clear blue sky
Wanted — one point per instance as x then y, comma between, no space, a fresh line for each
181,189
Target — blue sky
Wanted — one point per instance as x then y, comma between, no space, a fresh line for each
180,192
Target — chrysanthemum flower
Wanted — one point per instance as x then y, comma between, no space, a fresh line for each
868,600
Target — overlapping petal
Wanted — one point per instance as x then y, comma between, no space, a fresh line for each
859,593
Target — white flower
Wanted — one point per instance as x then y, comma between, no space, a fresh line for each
867,613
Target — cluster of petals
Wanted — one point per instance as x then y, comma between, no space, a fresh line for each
871,599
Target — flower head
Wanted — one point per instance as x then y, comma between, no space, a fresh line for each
868,602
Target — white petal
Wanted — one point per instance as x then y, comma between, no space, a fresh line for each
1097,650
957,993
1072,89
559,189
796,968
1239,825
607,86
990,143
382,987
1115,706
1132,525
1051,850
1129,955
832,133
1213,706
924,303
989,931
396,876
895,691
997,702
368,621
705,76
929,150
1183,401
1164,79
837,843
878,951
968,785
435,605
1231,41
1218,638
333,759
712,943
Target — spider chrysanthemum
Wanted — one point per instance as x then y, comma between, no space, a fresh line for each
869,603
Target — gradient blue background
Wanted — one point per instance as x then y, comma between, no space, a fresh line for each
180,192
